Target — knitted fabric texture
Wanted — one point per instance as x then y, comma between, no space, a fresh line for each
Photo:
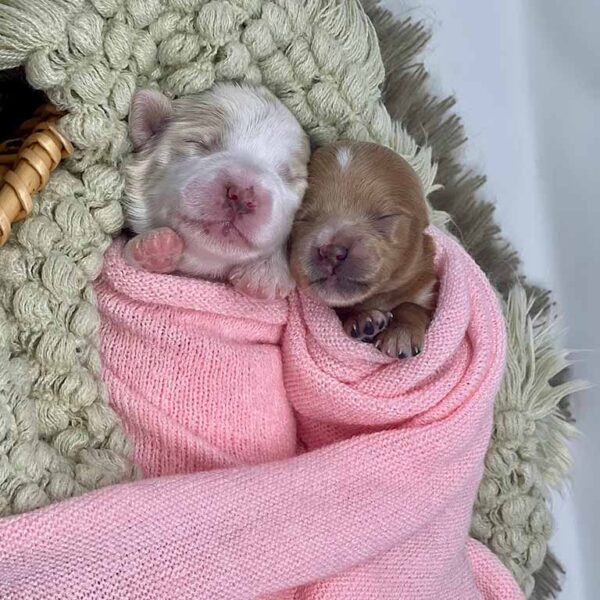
194,370
58,438
379,506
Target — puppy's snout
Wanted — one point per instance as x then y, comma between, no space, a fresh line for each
333,254
242,200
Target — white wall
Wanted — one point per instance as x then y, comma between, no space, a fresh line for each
527,78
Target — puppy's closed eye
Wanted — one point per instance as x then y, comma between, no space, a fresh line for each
386,217
387,223
289,176
197,146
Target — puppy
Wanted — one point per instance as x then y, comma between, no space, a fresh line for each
213,186
359,244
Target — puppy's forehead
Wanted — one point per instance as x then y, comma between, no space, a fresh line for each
196,118
257,122
241,118
351,161
363,177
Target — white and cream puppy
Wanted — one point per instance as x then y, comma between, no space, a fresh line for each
213,186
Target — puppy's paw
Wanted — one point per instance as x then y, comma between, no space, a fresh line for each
157,250
401,340
265,280
365,325
406,333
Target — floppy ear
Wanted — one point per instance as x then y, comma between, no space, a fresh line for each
149,112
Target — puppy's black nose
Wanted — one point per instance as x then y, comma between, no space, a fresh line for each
333,253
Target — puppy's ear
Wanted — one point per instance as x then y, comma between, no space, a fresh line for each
149,112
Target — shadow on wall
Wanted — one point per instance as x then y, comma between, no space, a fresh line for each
564,49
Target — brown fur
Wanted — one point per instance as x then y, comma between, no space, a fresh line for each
375,207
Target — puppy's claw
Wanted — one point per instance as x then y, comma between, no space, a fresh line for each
364,326
400,341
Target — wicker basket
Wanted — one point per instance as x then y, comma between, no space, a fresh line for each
26,162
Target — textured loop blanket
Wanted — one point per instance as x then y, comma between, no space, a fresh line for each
378,505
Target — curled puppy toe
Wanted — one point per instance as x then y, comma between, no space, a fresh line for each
399,342
417,343
351,328
390,344
365,326
416,348
381,319
403,345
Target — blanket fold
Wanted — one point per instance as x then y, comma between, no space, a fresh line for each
378,506
194,370
434,415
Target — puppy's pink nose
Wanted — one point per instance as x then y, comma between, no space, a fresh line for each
333,254
241,200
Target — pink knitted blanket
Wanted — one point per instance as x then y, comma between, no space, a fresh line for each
194,369
378,506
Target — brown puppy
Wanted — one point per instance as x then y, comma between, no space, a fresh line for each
359,244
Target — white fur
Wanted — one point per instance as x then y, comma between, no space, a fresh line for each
228,127
344,156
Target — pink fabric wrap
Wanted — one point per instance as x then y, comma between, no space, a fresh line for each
378,507
194,369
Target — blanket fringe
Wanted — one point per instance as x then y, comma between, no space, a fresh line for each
547,580
528,453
